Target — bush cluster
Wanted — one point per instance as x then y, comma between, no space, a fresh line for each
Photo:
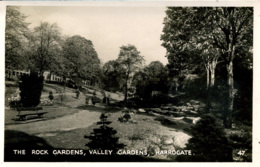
31,89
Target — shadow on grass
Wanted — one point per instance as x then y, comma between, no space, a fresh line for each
100,108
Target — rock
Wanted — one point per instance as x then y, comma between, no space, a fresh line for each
152,150
132,111
192,113
141,110
194,102
166,108
181,139
184,109
167,147
175,108
169,105
167,141
191,120
177,118
196,106
155,139
133,122
177,114
155,110
150,113
188,104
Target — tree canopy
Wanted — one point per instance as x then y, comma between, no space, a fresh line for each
211,33
130,61
16,37
81,59
45,46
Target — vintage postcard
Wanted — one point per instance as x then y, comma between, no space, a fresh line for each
130,82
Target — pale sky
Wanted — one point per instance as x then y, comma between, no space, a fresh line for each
108,27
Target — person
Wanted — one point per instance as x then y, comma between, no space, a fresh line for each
51,96
77,93
94,98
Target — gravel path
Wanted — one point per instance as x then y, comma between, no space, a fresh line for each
82,119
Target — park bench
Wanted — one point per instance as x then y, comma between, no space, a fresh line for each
33,109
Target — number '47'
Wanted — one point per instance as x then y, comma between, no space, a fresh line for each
241,152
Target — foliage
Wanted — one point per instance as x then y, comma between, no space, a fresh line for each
113,76
194,86
31,88
130,61
243,76
212,34
45,45
175,37
209,142
51,95
16,37
125,117
242,141
80,59
104,137
154,77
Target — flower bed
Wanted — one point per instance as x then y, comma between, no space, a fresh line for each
46,102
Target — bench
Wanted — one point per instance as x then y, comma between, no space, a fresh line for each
19,109
23,117
34,109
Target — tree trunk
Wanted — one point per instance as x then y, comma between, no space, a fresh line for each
230,83
230,101
126,89
64,85
210,82
207,78
208,89
212,74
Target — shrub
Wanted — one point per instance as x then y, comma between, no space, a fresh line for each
125,117
209,143
51,95
104,137
31,89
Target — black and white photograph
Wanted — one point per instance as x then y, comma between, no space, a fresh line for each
128,83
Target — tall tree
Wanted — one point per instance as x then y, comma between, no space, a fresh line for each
104,137
189,41
45,46
152,78
16,34
81,59
130,61
235,30
214,33
112,76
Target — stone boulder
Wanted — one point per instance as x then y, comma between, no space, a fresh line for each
151,150
175,108
188,104
191,120
194,102
155,110
180,139
167,147
167,141
141,110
